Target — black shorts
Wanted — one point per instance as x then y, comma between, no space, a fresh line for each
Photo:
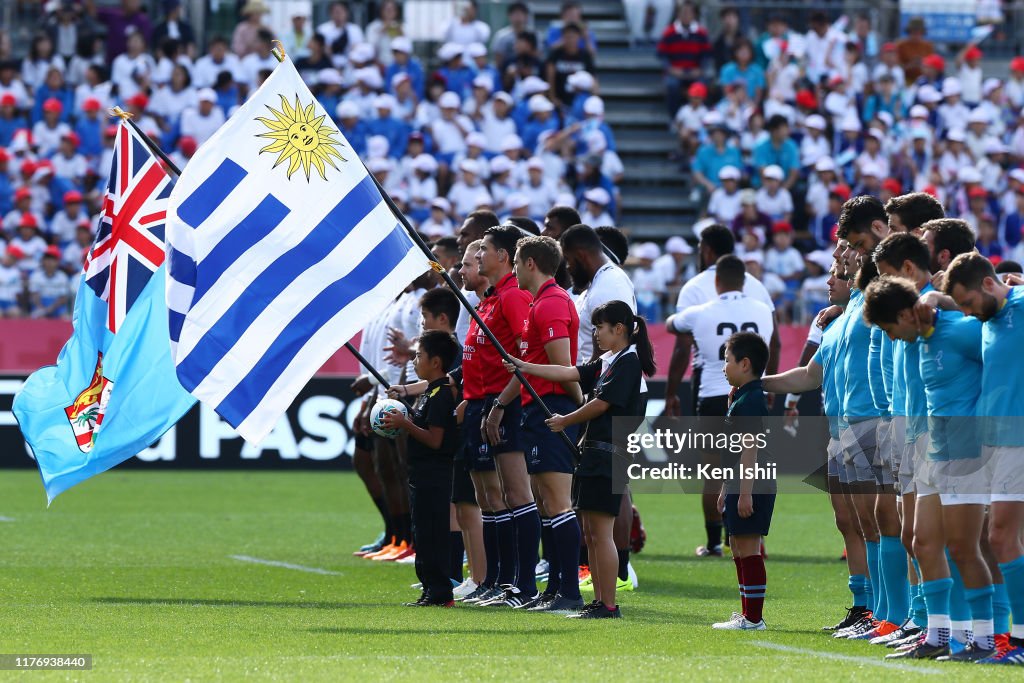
462,483
545,450
478,453
756,524
713,406
594,494
363,442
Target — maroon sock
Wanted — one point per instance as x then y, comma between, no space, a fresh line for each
739,578
755,583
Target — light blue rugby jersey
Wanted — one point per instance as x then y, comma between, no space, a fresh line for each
858,401
825,356
1002,399
951,365
916,402
876,370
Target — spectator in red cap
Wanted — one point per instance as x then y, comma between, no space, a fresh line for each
890,188
10,119
6,187
89,128
49,287
65,221
888,62
11,282
912,49
185,150
987,243
74,253
67,162
22,205
53,89
688,122
48,132
785,261
1015,83
11,85
29,241
971,77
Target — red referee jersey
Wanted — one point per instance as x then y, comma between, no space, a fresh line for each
504,312
552,316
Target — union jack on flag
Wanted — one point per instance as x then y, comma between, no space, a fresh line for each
129,244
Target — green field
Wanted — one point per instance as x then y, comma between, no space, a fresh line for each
135,568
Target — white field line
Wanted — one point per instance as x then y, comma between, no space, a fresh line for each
870,661
284,565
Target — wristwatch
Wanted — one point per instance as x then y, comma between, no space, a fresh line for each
499,404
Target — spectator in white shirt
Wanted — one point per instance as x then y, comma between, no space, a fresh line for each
724,204
438,224
67,162
953,113
782,258
46,134
595,208
773,200
260,60
450,131
203,120
131,72
209,66
29,242
497,123
815,145
541,191
11,282
465,194
49,287
465,28
65,221
339,33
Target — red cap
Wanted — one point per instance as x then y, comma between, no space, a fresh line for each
28,221
139,100
73,137
977,192
91,104
15,251
52,250
892,185
888,47
930,189
28,167
22,193
1017,64
45,165
8,100
972,53
72,197
697,90
842,190
111,130
806,99
4,155
781,226
84,222
836,80
934,61
188,145
53,105
834,236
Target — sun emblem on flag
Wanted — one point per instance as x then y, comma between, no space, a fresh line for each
300,138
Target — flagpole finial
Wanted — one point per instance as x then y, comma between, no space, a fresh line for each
278,50
436,266
121,113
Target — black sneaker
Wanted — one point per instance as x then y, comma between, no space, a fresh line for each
599,612
922,651
971,653
508,597
903,635
853,615
705,551
488,595
475,595
421,602
539,603
563,605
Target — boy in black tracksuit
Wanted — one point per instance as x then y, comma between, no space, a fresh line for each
433,439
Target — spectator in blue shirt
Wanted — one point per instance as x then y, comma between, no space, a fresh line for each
10,120
395,130
778,149
715,154
55,88
404,62
743,68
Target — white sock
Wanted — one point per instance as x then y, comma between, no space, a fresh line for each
960,631
983,634
938,629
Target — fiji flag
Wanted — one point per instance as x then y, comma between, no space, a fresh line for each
113,391
280,249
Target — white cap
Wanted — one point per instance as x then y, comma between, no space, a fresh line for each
476,139
928,94
956,135
449,100
753,257
511,142
532,85
824,164
733,173
1017,174
977,115
565,199
919,111
377,146
886,118
398,79
968,174
449,51
580,81
677,245
424,163
822,258
370,77
876,134
483,198
951,86
713,118
504,97
597,143
347,110
441,203
598,195
989,85
871,169
539,104
206,95
384,101
646,250
774,171
747,196
329,77
378,165
535,164
470,166
815,121
484,81
399,194
501,164
994,146
516,200
401,44
850,124
360,53
474,50
699,226
593,106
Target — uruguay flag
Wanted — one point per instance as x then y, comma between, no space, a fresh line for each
280,249
113,391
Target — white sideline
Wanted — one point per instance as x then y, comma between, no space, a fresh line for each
870,661
6,519
284,565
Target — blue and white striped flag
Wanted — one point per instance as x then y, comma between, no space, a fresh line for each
280,249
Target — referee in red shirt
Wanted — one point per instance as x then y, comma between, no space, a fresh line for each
549,338
505,499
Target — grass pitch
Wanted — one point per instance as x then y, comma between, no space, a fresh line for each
136,569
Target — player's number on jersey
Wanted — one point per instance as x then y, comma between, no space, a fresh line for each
728,329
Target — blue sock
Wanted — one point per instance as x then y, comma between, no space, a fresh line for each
1013,575
959,608
552,554
490,530
893,560
566,530
526,521
980,600
858,584
918,605
877,594
506,534
936,595
1000,608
